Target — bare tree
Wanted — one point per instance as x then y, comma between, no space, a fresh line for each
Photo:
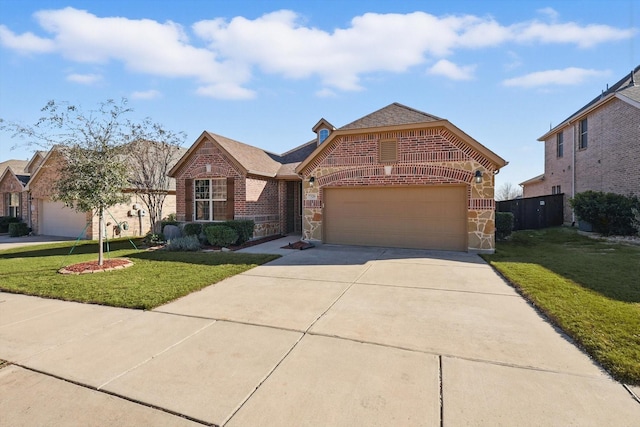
508,191
151,153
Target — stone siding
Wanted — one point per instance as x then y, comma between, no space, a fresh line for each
431,156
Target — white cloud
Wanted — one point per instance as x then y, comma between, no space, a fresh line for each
326,93
25,43
281,43
566,77
550,12
84,79
452,71
146,94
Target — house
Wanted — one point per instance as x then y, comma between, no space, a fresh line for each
397,177
27,194
596,148
14,177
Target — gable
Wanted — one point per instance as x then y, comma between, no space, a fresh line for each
245,158
10,182
435,141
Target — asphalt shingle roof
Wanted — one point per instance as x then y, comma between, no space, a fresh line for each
391,115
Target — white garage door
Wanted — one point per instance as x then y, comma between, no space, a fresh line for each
405,217
58,220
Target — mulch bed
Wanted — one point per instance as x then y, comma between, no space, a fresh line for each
93,267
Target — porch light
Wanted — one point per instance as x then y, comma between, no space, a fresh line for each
478,176
312,181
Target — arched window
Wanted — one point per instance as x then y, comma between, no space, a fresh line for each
322,135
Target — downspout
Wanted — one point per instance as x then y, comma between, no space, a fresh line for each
573,174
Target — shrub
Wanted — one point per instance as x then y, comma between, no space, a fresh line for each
153,239
635,221
221,235
192,229
5,221
244,228
504,225
608,213
17,229
187,243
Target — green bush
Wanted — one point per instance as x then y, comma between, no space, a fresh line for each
635,221
221,235
608,213
17,229
186,243
5,221
504,225
244,228
154,239
192,229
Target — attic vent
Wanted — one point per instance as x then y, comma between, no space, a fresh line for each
388,150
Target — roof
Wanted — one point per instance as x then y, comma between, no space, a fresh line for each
18,166
256,161
533,180
400,117
391,115
626,89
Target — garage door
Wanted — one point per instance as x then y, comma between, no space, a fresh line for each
404,217
58,220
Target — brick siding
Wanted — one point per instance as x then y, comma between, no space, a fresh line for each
433,156
611,161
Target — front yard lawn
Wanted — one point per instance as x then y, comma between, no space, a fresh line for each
155,278
590,288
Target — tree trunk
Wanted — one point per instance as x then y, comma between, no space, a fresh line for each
100,237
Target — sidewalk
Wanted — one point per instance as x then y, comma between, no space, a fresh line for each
333,335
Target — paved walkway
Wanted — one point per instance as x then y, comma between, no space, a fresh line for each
338,336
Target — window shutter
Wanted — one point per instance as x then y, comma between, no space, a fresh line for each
230,198
188,200
388,151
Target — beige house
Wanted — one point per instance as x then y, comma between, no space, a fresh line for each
397,177
45,216
597,148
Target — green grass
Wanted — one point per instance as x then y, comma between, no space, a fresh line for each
589,288
155,278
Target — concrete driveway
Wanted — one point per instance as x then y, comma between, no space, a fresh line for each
339,336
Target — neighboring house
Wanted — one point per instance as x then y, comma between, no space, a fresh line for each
597,148
397,177
48,217
14,177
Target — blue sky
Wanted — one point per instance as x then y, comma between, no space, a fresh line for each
264,72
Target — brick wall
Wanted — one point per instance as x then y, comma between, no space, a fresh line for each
432,156
611,161
256,198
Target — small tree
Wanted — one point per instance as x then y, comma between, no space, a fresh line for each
508,191
152,152
93,174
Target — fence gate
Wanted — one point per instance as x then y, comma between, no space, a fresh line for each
534,212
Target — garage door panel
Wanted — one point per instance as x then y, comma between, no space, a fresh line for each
410,217
58,220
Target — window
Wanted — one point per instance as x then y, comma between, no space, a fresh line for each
582,143
556,189
322,135
210,199
560,145
13,204
388,151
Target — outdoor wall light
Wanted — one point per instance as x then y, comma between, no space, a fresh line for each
312,181
478,176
